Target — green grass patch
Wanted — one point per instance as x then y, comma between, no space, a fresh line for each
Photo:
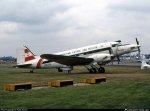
125,87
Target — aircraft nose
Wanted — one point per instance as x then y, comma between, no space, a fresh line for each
134,47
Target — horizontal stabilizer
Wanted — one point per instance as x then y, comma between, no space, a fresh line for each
67,60
23,65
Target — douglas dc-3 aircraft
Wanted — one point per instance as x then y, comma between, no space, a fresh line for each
88,56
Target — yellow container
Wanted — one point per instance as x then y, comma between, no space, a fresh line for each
12,87
5,87
60,83
19,86
94,80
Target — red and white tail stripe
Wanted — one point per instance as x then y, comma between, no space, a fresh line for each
39,63
28,55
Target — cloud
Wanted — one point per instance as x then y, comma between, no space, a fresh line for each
8,27
56,25
29,11
131,6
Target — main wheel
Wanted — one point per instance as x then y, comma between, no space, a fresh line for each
101,70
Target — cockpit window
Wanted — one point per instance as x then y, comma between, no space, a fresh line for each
114,45
132,48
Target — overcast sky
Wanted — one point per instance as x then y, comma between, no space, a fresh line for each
49,26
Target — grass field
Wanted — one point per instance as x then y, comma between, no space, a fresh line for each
125,87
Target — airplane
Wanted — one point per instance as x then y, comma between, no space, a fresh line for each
88,56
144,64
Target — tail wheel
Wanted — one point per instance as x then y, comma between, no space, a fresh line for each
31,71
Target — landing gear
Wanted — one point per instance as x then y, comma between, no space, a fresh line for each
60,70
32,71
94,69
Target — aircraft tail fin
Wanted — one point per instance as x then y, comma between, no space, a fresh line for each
24,55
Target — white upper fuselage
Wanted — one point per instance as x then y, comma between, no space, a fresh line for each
87,49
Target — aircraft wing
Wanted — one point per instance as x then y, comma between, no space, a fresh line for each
67,60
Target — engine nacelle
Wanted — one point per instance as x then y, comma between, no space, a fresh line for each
100,58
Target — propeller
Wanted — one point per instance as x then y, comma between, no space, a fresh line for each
138,46
111,51
118,59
